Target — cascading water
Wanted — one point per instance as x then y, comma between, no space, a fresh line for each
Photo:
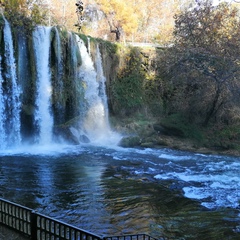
59,58
43,114
89,46
9,95
102,85
57,82
95,113
2,114
64,86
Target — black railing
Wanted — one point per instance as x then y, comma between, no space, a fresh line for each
15,216
39,227
131,237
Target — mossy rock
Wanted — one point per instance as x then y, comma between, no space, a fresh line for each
132,141
148,145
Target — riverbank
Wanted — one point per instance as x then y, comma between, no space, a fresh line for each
148,134
189,145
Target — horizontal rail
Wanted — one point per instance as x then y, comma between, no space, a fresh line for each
15,216
48,228
40,227
131,237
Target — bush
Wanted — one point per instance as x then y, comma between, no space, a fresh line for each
177,124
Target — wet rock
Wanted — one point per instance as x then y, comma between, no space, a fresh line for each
132,141
79,136
148,144
71,135
84,139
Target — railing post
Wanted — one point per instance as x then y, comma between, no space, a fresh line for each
1,211
33,225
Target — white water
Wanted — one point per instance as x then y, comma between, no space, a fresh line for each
215,180
89,46
59,51
2,113
102,84
95,112
10,102
43,114
212,180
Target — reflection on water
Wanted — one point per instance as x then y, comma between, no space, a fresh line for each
125,191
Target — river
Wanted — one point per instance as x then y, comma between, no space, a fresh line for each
113,190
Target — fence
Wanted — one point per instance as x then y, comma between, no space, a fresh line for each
39,227
131,237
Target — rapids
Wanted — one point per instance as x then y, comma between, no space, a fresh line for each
109,191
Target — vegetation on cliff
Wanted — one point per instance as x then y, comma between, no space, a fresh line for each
188,90
191,89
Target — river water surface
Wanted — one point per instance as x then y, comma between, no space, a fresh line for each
112,191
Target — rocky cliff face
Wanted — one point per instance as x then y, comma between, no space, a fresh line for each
51,81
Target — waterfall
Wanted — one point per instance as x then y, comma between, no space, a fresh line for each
2,113
57,82
59,52
43,114
9,95
63,88
102,84
95,113
89,46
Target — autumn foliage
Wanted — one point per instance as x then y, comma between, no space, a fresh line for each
201,71
137,20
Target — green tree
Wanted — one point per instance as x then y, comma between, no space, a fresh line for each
22,12
205,60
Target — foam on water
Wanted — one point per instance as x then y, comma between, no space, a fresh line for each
215,183
42,150
212,179
172,157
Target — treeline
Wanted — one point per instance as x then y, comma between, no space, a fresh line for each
29,13
192,87
133,20
203,71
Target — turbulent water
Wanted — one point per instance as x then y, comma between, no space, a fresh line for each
109,191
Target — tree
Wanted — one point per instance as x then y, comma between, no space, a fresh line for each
206,59
120,17
22,12
15,5
63,12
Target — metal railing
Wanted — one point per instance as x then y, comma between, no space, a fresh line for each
40,227
15,216
131,237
